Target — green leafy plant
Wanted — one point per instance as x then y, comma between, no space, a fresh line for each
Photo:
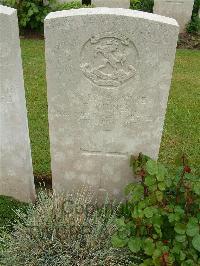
161,219
194,25
31,13
66,230
143,5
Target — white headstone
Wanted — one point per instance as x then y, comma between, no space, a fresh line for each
181,10
111,3
16,173
108,77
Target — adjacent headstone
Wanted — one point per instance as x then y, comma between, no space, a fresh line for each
108,75
111,3
181,10
16,174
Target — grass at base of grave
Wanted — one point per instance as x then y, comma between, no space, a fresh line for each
182,123
8,215
35,84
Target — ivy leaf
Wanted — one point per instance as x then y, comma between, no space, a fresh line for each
152,188
192,228
152,168
150,180
138,193
196,188
180,238
129,188
178,210
141,204
149,247
118,242
171,217
146,262
177,248
137,213
180,228
158,230
123,232
161,186
157,253
182,255
135,244
120,223
188,263
159,196
168,182
196,242
148,212
161,172
30,12
157,220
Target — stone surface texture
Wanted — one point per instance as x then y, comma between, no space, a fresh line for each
108,77
67,1
181,10
16,173
111,3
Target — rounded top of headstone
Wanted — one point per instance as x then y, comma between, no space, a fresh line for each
7,10
112,11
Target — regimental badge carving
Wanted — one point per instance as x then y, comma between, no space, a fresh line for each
109,59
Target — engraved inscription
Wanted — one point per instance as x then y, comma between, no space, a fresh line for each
100,153
107,59
107,111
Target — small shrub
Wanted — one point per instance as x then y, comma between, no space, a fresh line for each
142,5
66,6
161,219
63,231
194,26
31,13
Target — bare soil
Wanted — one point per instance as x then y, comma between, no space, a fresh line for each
189,41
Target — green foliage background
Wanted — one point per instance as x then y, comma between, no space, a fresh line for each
194,25
31,13
142,5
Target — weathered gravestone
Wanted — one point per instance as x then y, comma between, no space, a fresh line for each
181,10
111,3
108,77
16,175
